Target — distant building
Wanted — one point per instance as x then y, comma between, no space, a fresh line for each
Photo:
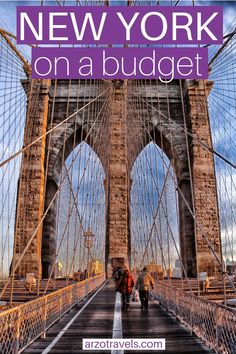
96,267
58,270
177,271
230,267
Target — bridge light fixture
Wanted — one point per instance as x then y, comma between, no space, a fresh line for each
88,242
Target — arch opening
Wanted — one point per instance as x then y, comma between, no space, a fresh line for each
67,247
154,214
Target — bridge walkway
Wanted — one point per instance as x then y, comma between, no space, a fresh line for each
96,321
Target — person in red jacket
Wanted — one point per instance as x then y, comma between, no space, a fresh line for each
126,288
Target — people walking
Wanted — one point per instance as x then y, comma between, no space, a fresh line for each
117,274
143,284
126,288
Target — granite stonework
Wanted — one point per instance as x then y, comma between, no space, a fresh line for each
166,113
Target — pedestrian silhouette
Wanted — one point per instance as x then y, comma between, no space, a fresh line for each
126,288
143,284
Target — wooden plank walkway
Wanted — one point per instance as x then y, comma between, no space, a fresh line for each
157,323
96,321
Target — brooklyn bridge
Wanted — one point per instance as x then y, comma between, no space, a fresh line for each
100,174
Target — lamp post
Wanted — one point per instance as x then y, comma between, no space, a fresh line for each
88,242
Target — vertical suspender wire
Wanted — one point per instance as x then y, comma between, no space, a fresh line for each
155,139
201,228
89,187
218,216
206,238
191,180
81,246
96,192
140,216
70,207
77,232
170,228
146,252
61,178
63,233
12,275
45,213
88,134
50,124
6,173
172,153
142,181
70,190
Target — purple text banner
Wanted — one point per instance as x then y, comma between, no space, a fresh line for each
120,63
119,25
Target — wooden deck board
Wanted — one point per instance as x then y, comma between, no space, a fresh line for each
157,323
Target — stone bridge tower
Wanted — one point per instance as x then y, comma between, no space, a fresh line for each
41,167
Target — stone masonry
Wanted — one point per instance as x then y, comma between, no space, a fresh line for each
118,182
31,187
34,195
207,228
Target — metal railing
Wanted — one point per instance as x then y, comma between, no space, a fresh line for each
21,325
215,324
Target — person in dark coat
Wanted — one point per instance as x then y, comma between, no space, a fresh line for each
117,274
